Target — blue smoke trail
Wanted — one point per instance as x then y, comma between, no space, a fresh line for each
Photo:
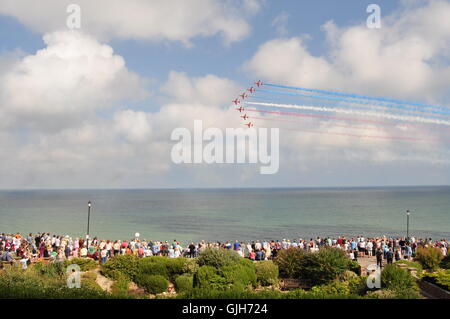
355,96
404,108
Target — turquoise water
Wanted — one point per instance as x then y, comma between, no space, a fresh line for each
228,214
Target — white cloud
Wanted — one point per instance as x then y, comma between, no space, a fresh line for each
72,77
280,23
407,58
174,20
209,89
134,125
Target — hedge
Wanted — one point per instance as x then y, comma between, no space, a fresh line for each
153,284
266,273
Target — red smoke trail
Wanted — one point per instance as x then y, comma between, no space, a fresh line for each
352,119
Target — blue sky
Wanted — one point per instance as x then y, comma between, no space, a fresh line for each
75,113
209,55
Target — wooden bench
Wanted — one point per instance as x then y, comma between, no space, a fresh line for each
288,284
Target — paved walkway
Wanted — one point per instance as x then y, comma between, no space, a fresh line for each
365,261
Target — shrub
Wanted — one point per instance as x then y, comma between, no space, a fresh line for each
355,267
169,268
411,264
151,266
120,285
89,280
125,264
153,284
399,280
218,258
248,263
266,273
239,276
382,294
429,257
202,293
324,266
190,266
176,266
358,285
440,278
53,270
84,263
334,288
19,284
289,262
184,283
208,277
445,263
89,276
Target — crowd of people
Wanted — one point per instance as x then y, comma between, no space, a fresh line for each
35,247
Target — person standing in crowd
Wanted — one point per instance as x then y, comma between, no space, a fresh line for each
379,255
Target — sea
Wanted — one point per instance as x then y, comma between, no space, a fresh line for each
229,214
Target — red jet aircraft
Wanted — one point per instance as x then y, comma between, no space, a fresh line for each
259,83
250,124
243,95
251,90
245,116
240,109
236,102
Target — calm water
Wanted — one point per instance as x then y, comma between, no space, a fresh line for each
224,214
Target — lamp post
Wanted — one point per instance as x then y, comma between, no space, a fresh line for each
89,217
407,223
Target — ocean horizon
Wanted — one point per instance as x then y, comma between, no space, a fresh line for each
193,214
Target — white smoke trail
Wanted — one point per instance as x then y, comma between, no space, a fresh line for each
354,112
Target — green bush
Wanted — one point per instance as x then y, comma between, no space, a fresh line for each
324,266
89,280
411,264
205,293
53,270
382,294
153,266
400,281
239,276
208,277
445,263
289,262
429,257
440,278
358,285
125,264
333,288
176,266
355,267
184,283
84,263
153,284
170,268
120,285
266,273
218,258
18,284
201,293
190,266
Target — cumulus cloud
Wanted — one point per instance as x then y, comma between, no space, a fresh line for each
407,58
209,89
173,20
72,77
280,23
